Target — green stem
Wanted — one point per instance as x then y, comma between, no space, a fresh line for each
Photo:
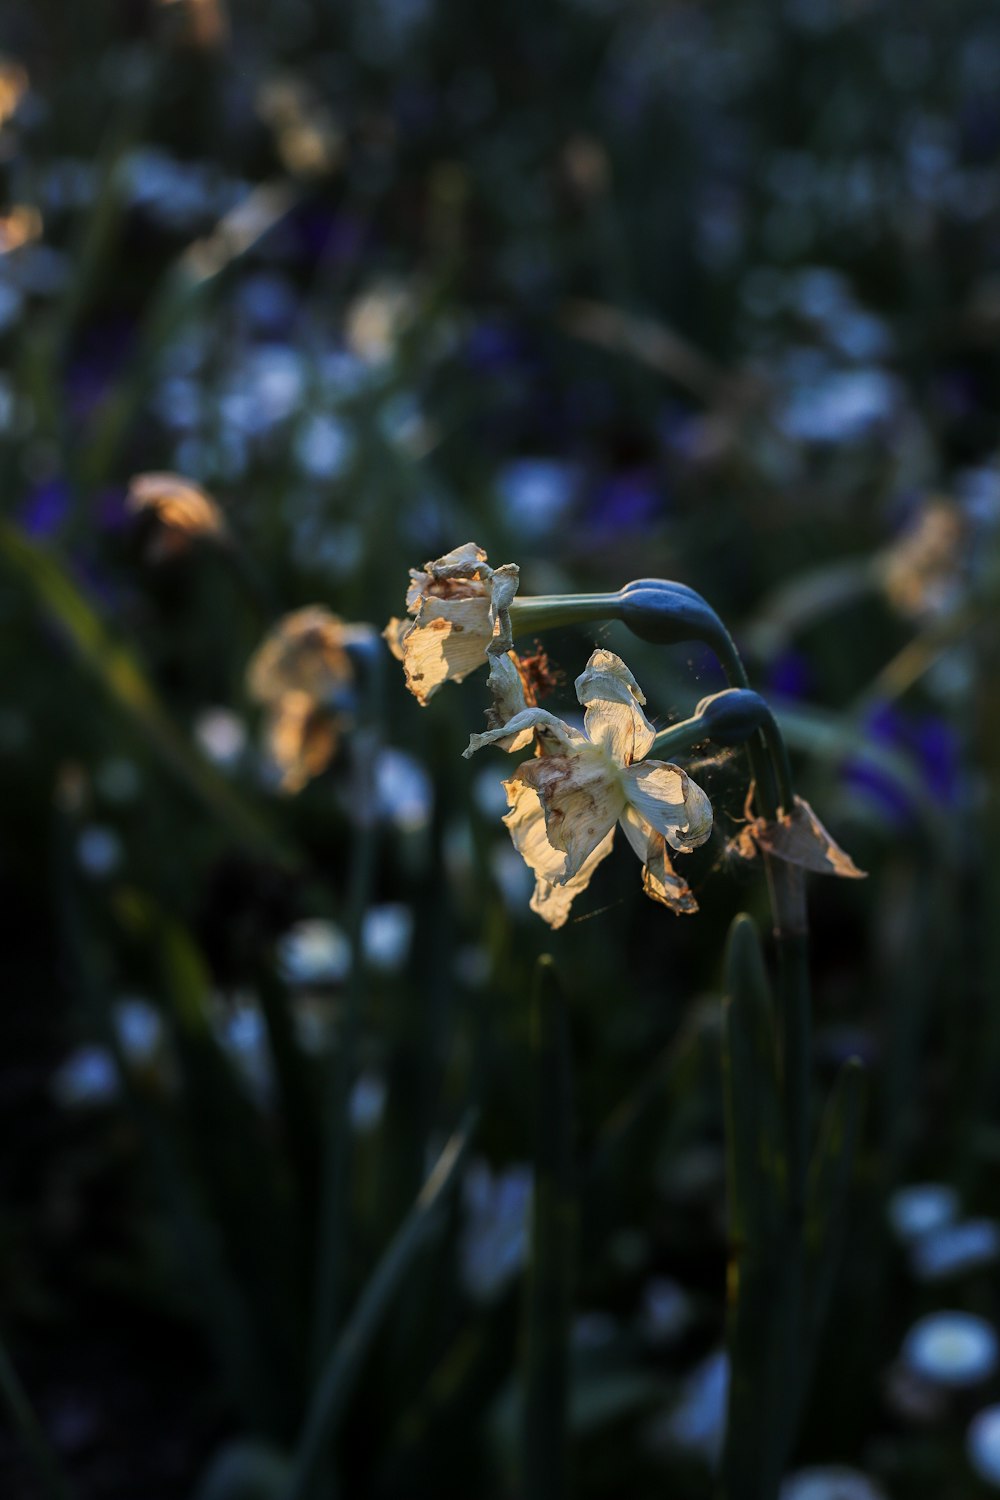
345,1359
553,1233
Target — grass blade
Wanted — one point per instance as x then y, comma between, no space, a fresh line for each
553,1234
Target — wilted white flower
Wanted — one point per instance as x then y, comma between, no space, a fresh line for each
565,802
982,1444
455,603
952,1349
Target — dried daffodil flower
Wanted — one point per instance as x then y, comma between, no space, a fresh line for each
182,510
458,606
305,652
564,803
800,839
302,738
301,673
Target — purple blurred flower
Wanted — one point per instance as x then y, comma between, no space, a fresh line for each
46,507
931,744
790,675
632,499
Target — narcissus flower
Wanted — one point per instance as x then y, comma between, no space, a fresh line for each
302,674
180,510
564,803
455,604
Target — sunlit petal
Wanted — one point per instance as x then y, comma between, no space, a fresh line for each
447,642
553,895
614,718
668,799
660,880
580,801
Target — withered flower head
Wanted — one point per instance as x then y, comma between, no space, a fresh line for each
182,510
305,652
458,606
564,803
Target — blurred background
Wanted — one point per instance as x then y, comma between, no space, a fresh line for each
614,288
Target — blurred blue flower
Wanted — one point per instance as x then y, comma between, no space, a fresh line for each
88,1076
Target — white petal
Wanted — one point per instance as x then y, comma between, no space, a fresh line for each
447,641
516,733
614,718
660,880
668,799
526,822
581,801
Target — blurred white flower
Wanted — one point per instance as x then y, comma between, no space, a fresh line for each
367,1102
951,1349
99,851
697,1423
982,1445
494,1239
954,1249
666,1311
830,1482
222,736
88,1076
241,1032
536,494
920,1207
140,1030
404,793
314,951
386,935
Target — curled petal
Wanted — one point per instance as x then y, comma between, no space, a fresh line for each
614,717
503,587
580,801
177,503
800,839
461,574
660,880
552,898
553,734
667,798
